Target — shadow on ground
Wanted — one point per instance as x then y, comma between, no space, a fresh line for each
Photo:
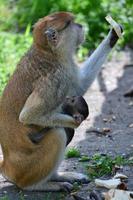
116,115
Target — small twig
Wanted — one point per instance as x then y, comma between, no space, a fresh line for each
128,65
100,133
97,131
129,93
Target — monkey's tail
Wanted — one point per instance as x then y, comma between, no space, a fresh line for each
1,164
1,161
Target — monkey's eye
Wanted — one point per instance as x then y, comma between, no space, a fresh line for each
51,33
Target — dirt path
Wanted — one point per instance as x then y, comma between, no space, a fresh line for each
108,109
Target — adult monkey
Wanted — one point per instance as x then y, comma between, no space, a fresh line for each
32,99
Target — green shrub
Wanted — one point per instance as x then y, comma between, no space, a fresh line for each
12,47
17,18
90,13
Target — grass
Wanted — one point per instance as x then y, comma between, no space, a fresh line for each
100,165
73,153
4,198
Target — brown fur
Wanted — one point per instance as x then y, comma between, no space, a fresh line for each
25,163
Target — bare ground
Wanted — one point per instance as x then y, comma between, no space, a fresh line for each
108,109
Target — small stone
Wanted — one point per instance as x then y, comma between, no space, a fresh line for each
122,186
105,120
74,167
117,167
114,117
131,125
131,158
106,130
129,93
130,103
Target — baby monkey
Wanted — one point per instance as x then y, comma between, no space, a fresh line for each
74,106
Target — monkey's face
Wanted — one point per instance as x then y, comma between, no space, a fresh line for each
59,32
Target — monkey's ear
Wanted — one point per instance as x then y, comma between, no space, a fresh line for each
52,36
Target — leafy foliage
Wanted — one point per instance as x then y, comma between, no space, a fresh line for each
17,18
90,13
12,47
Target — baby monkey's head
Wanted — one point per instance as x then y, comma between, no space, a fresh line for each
77,107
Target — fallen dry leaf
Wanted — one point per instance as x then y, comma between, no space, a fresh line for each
121,176
106,130
110,184
115,194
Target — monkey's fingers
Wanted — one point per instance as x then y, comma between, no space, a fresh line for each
115,25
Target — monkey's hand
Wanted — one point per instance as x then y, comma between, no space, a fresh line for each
116,31
114,37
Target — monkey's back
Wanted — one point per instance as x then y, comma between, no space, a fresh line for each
32,67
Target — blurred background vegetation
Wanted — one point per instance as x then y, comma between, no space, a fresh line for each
18,16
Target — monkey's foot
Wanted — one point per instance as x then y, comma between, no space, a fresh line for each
66,187
50,187
70,177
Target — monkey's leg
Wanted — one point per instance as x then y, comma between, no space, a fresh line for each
50,186
70,177
37,137
92,65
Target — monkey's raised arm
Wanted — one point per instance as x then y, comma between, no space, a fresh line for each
92,65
